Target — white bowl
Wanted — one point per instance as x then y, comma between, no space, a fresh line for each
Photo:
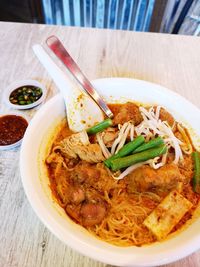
21,83
36,183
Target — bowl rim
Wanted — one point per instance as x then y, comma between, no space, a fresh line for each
16,84
87,249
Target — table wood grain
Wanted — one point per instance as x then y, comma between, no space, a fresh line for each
169,60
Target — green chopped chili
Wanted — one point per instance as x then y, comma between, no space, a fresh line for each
25,95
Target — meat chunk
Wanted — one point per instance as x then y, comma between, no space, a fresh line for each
93,209
109,135
77,195
85,172
89,212
93,196
186,167
128,112
147,179
74,212
95,176
70,144
78,145
92,213
70,193
91,153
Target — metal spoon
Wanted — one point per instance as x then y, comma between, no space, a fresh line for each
59,50
82,111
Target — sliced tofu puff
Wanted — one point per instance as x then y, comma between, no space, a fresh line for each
167,214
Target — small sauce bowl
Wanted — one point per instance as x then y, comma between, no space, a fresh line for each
12,129
25,94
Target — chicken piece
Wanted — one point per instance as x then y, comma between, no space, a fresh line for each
109,135
93,196
166,116
91,153
74,212
70,144
85,172
78,145
128,112
77,195
95,176
87,214
146,179
94,209
92,213
186,167
106,181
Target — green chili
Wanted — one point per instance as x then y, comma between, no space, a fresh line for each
25,95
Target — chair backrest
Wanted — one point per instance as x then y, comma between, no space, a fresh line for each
113,14
191,23
182,17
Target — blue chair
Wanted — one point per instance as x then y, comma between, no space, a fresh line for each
182,17
191,22
113,14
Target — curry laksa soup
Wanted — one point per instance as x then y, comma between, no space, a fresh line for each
129,181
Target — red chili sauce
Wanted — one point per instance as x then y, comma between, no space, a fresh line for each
12,129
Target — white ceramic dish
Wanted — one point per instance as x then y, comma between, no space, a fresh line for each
18,143
36,185
18,84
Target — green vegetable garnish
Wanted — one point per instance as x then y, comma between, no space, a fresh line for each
120,163
100,127
151,144
126,149
196,178
25,95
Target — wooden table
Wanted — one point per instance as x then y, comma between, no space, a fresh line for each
172,61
